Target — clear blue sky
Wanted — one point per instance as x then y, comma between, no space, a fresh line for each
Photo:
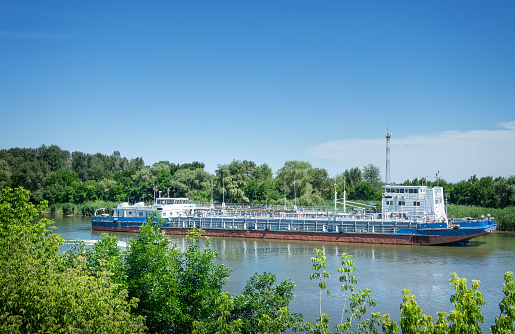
267,81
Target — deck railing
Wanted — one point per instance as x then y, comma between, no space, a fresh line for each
307,225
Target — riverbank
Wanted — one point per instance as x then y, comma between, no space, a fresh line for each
85,209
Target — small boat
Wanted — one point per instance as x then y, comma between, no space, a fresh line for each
409,215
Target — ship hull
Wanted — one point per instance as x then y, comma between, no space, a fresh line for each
427,237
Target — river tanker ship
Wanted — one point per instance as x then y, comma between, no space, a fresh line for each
409,215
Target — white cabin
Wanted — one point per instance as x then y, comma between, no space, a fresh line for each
414,202
165,207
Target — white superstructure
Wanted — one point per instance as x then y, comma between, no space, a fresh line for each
165,207
414,203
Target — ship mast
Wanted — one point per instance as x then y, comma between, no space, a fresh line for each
335,196
223,190
387,176
212,203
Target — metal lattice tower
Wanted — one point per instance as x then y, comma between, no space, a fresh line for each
388,136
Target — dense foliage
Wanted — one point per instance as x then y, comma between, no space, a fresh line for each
156,287
75,183
42,291
59,177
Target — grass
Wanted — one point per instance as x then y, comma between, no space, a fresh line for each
80,209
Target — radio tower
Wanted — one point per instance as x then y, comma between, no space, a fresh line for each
388,136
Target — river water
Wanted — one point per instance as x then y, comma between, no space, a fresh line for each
385,269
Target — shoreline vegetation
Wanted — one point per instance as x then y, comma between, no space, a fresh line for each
79,183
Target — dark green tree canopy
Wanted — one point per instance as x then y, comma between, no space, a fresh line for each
61,177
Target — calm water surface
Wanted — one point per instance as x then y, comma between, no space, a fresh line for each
386,269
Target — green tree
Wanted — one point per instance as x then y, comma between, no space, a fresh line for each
5,174
89,191
353,176
372,175
505,322
98,168
299,183
108,189
30,176
124,187
80,164
261,188
151,263
192,165
320,272
268,192
365,191
322,184
54,157
467,302
192,183
347,181
412,319
460,193
174,288
482,193
261,173
143,175
262,298
163,179
359,301
136,163
504,190
38,293
62,186
232,180
106,255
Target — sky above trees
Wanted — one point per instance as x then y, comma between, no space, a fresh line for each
266,82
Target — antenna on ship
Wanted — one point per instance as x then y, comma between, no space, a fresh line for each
212,204
223,190
285,208
294,194
335,196
388,136
344,196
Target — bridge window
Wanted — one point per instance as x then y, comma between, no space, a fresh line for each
402,203
416,203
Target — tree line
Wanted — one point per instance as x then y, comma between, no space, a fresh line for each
59,176
156,287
